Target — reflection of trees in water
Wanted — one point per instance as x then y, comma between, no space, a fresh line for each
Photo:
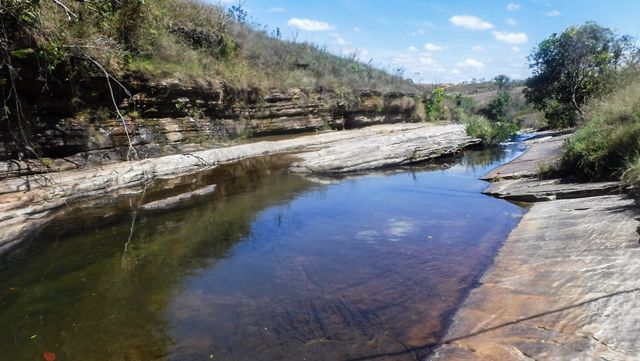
81,298
477,159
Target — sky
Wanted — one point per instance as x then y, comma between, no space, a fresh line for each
438,41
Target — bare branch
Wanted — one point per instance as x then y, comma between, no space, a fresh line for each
66,9
115,105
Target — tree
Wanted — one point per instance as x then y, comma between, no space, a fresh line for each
572,67
434,105
502,81
497,109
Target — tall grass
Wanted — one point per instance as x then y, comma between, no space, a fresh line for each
607,146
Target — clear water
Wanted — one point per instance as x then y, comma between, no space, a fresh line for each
273,266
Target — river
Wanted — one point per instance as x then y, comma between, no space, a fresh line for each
272,266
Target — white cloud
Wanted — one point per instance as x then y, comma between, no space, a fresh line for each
513,7
470,63
422,65
429,62
277,10
310,25
338,39
553,13
455,71
478,49
417,32
511,38
412,48
515,48
511,22
357,29
470,22
433,47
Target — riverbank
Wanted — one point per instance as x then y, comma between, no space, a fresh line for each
28,202
565,284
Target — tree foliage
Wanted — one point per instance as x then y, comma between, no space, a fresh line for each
572,67
434,105
497,109
503,81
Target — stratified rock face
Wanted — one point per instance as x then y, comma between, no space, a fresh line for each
565,286
534,190
162,117
27,202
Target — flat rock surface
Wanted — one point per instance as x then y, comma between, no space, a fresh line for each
541,152
565,286
383,149
534,190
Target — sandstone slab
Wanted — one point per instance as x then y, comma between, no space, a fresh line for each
542,152
534,190
565,286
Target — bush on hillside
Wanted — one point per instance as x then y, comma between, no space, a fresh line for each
608,145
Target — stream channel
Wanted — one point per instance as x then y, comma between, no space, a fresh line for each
272,266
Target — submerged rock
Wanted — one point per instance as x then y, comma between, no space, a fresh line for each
173,201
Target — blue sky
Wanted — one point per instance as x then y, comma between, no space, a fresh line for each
439,41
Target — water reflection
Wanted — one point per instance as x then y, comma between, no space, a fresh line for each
274,266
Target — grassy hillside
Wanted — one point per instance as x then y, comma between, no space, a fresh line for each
177,38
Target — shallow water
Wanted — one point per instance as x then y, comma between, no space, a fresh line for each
272,266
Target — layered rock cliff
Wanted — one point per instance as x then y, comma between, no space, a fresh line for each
73,125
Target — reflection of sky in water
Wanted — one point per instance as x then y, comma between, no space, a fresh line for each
356,234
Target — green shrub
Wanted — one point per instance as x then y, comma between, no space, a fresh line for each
497,108
434,105
490,132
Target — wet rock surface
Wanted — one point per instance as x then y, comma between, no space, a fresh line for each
565,285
